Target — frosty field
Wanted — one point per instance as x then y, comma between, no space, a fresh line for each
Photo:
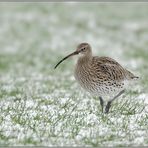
43,106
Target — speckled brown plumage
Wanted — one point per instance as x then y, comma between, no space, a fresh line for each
101,76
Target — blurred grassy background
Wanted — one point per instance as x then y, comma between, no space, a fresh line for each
43,106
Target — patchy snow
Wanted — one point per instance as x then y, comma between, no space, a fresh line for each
43,106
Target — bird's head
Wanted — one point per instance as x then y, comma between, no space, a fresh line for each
84,49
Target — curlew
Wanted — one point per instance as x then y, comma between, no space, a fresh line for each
101,76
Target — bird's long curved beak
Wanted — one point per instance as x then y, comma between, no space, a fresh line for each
72,54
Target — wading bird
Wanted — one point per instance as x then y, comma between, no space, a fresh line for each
101,76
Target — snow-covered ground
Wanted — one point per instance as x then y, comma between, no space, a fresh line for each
43,106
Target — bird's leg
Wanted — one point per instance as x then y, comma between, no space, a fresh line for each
108,106
101,103
109,102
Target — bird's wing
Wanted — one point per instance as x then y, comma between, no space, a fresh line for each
111,69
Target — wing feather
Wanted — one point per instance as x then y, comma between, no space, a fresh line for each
110,69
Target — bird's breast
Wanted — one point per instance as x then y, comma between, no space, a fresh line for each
85,77
90,80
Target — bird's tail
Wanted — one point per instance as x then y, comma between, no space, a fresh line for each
131,76
135,77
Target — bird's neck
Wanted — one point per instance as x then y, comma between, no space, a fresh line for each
85,59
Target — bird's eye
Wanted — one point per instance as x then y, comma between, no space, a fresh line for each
82,49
